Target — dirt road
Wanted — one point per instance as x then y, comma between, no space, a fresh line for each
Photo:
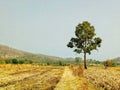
71,82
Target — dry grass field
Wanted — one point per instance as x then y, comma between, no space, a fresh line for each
107,79
35,77
99,77
29,77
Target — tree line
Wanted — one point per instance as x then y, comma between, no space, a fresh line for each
15,61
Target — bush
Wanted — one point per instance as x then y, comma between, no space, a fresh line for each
108,63
14,61
60,63
2,62
21,62
8,61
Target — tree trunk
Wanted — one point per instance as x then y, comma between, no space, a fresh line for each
85,66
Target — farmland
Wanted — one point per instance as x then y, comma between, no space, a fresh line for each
27,77
35,77
108,79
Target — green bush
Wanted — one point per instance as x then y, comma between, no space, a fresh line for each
21,62
14,61
2,62
8,61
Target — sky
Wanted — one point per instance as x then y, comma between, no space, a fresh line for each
46,26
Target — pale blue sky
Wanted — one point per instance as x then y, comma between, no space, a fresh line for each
46,26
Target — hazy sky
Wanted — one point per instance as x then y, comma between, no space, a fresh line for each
46,26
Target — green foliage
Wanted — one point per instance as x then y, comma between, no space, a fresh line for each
21,62
97,62
14,61
48,63
8,61
28,61
60,63
78,60
85,40
2,62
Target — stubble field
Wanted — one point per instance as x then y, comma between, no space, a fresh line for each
29,77
35,77
107,79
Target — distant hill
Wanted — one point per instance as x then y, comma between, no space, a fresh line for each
116,60
70,59
9,53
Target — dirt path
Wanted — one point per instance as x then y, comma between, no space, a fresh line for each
71,82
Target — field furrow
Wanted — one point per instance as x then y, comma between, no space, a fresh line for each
34,77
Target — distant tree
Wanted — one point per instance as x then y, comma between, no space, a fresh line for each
108,63
84,42
97,62
60,63
8,61
78,60
26,61
21,62
48,63
2,61
30,61
14,61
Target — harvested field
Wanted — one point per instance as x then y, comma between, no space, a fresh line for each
27,77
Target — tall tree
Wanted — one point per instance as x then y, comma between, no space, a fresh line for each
85,40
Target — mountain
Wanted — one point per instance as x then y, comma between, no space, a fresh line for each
10,53
70,59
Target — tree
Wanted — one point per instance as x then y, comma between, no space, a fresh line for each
78,60
60,63
8,61
109,63
85,40
2,61
21,62
14,61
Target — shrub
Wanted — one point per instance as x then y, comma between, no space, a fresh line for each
77,71
2,61
21,62
8,61
108,63
14,61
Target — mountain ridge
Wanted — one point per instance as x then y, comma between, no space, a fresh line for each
7,52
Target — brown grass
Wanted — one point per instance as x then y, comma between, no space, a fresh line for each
29,77
108,79
77,70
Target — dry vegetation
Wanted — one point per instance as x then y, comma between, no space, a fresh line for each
70,81
101,78
108,79
84,84
29,77
35,77
77,71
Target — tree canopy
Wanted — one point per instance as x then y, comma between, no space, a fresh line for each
84,40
